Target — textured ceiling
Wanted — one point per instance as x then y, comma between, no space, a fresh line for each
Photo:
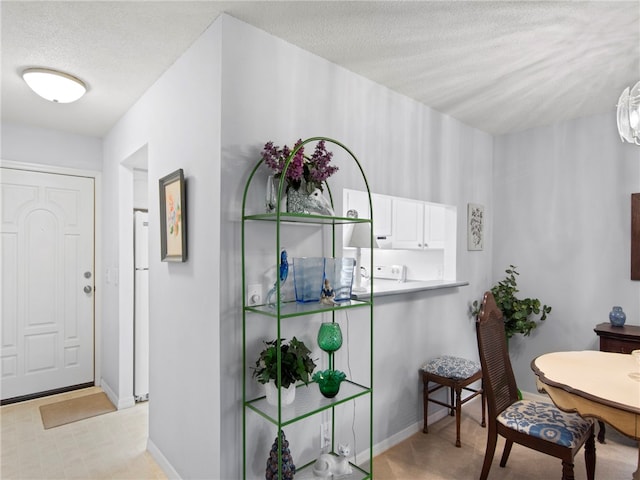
498,66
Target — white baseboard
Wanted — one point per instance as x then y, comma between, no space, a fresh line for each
109,391
118,402
162,461
402,435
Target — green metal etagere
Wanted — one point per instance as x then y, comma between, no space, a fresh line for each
315,403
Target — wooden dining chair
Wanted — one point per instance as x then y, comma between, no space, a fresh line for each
534,424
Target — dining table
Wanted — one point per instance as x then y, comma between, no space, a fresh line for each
601,385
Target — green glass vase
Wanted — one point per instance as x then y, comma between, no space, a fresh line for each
329,381
330,337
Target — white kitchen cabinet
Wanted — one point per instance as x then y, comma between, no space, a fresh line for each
434,231
408,224
356,200
413,226
359,201
417,225
382,215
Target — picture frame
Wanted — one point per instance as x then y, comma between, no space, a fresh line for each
475,227
635,236
173,218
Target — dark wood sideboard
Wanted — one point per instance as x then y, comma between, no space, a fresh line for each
623,339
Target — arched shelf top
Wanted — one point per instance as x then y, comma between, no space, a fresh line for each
279,215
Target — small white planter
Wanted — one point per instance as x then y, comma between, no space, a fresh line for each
287,394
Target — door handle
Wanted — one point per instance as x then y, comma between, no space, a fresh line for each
87,289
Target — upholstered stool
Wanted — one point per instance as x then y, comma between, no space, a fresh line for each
457,374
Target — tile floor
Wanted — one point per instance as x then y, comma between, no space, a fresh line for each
110,446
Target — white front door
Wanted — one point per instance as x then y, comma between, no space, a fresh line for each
47,243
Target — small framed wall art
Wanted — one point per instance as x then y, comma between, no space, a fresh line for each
475,226
173,220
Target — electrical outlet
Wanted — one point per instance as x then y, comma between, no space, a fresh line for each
325,436
254,294
391,272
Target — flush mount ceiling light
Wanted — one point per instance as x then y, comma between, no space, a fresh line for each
55,86
629,115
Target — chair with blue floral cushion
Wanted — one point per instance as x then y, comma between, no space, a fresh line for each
456,373
537,425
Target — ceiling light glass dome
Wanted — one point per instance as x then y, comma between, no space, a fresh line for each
55,86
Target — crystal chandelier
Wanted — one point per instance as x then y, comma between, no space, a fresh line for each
629,115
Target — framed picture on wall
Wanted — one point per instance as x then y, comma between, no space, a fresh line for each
635,236
173,221
475,227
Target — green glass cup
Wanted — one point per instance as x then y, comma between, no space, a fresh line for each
330,337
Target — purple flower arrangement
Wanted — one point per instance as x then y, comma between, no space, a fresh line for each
303,170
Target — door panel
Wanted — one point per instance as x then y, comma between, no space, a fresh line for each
47,246
408,224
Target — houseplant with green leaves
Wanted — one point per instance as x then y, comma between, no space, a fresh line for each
296,365
520,315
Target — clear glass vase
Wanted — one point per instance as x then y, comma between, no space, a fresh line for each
271,195
308,273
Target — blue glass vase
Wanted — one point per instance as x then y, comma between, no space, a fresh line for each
308,273
617,317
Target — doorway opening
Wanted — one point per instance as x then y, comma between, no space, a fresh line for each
135,260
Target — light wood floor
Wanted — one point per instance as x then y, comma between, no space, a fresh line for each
433,456
113,446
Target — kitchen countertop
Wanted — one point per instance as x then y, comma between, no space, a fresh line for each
393,287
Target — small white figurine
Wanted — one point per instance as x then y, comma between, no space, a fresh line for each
331,466
328,295
317,203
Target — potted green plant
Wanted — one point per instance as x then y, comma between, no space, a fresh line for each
519,314
296,365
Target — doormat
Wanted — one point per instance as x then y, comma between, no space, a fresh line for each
74,409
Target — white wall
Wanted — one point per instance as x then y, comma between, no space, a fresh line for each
272,90
562,215
178,120
21,143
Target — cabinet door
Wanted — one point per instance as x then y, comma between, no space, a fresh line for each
434,226
382,212
358,201
408,224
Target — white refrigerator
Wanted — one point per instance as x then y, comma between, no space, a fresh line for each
141,307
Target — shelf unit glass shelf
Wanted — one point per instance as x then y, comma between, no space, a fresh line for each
309,401
296,309
306,473
306,218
